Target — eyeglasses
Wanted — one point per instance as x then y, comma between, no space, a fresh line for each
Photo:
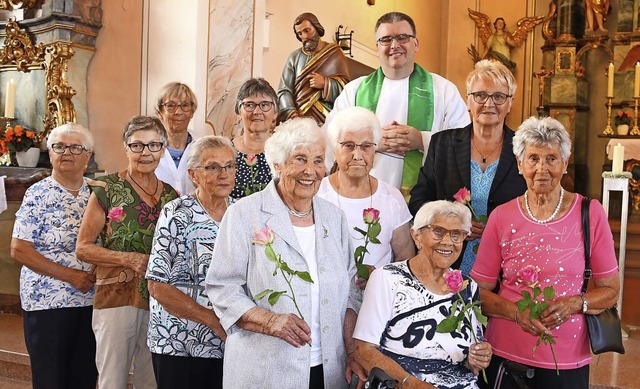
172,107
138,147
350,147
217,169
60,148
438,233
482,97
401,39
250,106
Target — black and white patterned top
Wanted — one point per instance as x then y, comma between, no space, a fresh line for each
250,179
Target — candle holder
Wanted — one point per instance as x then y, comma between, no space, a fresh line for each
635,130
7,120
608,130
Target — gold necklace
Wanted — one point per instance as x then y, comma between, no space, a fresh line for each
484,157
226,205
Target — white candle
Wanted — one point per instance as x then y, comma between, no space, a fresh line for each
618,158
636,83
10,100
610,81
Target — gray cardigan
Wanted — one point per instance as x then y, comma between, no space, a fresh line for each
240,270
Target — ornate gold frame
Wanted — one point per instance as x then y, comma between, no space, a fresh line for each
17,4
19,51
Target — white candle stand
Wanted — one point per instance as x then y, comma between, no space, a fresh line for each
618,182
3,195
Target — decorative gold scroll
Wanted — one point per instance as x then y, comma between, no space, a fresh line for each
19,51
18,4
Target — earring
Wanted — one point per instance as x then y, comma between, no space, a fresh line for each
565,172
519,172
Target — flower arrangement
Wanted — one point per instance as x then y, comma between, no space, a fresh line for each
18,139
265,237
528,276
622,118
461,311
371,217
252,186
127,237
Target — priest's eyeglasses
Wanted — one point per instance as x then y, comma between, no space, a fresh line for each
497,97
60,148
438,233
138,147
401,39
250,106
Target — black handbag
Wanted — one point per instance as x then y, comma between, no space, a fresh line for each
605,331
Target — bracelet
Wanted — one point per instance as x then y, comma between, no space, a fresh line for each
404,380
516,318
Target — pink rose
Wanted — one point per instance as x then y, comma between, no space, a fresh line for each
454,281
263,236
116,214
463,196
529,275
251,160
371,215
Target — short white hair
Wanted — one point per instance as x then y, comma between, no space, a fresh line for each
429,211
290,135
353,119
539,133
71,129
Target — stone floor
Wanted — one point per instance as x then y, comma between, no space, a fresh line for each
608,371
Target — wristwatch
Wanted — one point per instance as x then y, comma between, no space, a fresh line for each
585,305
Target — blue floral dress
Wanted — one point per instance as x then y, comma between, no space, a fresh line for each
181,254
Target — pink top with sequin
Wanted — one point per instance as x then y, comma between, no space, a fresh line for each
511,241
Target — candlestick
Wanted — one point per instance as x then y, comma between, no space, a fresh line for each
608,130
618,158
610,80
10,99
635,130
636,83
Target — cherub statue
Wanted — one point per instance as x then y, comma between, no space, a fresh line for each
499,43
598,9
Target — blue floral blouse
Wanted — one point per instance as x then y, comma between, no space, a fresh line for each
181,254
50,217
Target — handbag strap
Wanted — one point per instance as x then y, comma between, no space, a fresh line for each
586,232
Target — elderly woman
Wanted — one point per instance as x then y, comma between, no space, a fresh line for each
296,341
542,230
478,157
175,106
122,212
258,108
353,134
405,301
56,289
180,257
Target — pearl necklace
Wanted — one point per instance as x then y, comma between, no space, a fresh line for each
553,215
69,189
300,215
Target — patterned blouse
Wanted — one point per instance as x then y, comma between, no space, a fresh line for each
400,315
133,232
180,256
250,179
50,217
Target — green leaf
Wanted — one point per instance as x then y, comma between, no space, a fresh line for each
270,253
480,316
549,293
475,251
285,268
374,240
526,294
275,296
536,292
359,253
360,230
523,304
363,271
262,294
447,325
305,276
374,230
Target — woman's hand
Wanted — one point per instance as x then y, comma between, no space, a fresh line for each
531,326
289,328
560,310
361,282
139,263
477,228
479,357
82,280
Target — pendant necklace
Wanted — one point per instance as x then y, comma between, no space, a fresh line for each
484,157
553,215
154,201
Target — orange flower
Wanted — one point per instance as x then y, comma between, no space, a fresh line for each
18,130
30,134
8,135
